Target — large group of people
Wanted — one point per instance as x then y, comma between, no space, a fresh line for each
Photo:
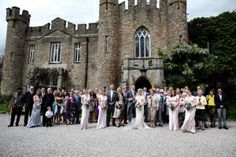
137,109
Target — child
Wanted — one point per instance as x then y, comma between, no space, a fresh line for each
49,115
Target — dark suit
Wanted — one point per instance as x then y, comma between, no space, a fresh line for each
28,101
221,106
111,100
130,105
17,104
125,107
50,99
146,94
44,106
77,108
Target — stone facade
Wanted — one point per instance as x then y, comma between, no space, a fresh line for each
107,49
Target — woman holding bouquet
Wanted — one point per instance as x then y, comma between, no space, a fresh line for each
102,101
190,106
118,107
86,104
173,103
139,105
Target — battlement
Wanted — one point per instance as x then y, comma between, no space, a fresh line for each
170,2
63,25
14,14
140,4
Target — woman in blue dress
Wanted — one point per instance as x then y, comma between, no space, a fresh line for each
35,119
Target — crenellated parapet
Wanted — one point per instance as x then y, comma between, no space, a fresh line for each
141,4
15,14
65,26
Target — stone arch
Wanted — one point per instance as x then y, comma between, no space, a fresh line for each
142,82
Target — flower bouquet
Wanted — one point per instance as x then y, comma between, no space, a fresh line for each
137,105
188,106
118,106
88,104
172,106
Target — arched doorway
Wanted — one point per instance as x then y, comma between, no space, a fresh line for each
142,82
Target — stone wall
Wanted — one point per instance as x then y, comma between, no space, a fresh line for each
98,66
76,71
17,28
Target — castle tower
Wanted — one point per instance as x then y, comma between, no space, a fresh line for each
176,21
18,25
108,70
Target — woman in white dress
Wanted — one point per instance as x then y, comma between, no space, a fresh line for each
118,107
35,120
173,103
190,109
86,103
102,101
140,101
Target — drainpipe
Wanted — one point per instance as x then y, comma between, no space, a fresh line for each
86,62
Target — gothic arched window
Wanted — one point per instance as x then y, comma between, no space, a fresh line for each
142,43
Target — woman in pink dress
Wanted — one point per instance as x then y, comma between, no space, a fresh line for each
173,103
102,101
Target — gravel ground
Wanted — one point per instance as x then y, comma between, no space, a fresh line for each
111,142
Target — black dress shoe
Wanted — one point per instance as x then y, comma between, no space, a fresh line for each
220,127
10,125
225,127
17,125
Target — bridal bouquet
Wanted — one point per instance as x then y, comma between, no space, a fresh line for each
188,106
172,106
88,104
103,107
118,106
137,105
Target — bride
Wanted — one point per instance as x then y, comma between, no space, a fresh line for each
138,122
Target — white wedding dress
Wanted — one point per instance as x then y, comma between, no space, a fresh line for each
102,112
138,121
85,111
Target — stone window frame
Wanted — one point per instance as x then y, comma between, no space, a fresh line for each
142,32
55,53
31,54
77,52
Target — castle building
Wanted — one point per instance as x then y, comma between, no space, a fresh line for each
122,48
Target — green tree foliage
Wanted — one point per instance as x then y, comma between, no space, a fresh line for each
216,68
39,76
219,35
185,65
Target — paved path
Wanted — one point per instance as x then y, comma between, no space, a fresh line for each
65,140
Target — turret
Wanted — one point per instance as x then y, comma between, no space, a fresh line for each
176,21
18,24
108,53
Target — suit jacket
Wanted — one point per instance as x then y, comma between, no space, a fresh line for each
78,103
112,99
220,102
50,99
44,101
125,98
28,99
130,95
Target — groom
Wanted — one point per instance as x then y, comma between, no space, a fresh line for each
112,98
130,104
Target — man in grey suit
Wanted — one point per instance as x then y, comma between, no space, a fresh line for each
130,103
